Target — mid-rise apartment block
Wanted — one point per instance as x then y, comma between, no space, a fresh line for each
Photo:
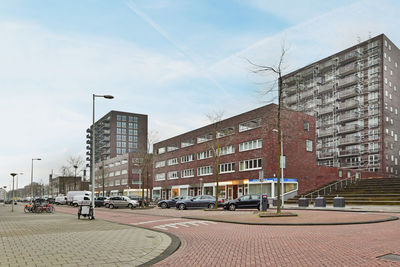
354,96
185,164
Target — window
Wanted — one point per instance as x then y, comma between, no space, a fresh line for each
204,138
187,173
306,126
205,154
187,158
160,176
172,147
309,145
111,183
117,182
186,143
249,125
160,164
226,150
124,171
173,161
136,171
254,144
117,173
207,170
173,175
124,181
251,164
340,173
123,124
161,150
225,132
124,161
227,167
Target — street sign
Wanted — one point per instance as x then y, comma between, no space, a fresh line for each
283,162
261,176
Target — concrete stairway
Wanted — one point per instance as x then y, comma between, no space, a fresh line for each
382,191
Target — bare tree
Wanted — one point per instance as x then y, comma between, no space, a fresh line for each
277,72
218,132
68,169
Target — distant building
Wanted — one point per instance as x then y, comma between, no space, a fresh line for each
118,133
354,96
3,194
61,185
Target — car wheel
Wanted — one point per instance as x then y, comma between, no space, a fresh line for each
258,207
130,206
164,205
181,206
211,205
75,204
106,205
111,206
232,207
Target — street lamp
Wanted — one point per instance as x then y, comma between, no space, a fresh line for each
281,163
92,167
32,176
12,203
75,167
21,173
201,186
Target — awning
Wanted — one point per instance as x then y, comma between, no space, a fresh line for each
180,186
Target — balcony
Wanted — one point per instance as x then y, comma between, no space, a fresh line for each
350,165
373,62
348,57
290,100
347,69
348,93
325,65
106,132
327,132
325,110
325,87
326,155
349,80
290,90
349,152
349,104
373,87
349,128
348,117
105,125
324,123
349,140
308,93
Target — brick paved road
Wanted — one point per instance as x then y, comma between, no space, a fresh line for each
63,240
223,244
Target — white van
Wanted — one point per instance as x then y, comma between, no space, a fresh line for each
60,200
71,194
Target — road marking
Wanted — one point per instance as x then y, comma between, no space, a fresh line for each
182,224
139,223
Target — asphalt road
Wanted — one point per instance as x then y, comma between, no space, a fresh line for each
205,243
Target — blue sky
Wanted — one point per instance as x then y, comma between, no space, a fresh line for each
173,60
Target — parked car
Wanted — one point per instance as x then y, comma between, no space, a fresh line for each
71,194
244,202
51,200
122,202
60,200
167,203
203,201
139,200
99,201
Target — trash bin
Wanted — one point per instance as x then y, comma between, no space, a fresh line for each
339,202
304,202
275,202
264,202
320,202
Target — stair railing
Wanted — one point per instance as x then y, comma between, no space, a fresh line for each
341,183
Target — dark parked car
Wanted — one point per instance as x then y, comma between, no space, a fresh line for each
244,202
203,201
168,203
99,201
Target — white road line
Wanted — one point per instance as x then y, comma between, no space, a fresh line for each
184,224
139,223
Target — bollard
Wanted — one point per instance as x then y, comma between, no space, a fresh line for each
304,202
339,202
320,202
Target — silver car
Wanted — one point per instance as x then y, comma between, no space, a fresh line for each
122,202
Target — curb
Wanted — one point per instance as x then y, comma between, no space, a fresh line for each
391,218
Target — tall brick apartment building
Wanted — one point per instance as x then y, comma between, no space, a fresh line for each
354,96
184,165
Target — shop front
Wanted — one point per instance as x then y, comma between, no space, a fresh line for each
269,186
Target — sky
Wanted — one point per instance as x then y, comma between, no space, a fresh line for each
175,61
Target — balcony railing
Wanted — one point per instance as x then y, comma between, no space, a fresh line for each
348,57
348,80
349,152
290,90
349,68
306,94
349,140
350,128
348,104
325,110
348,117
290,100
348,93
327,132
326,155
325,87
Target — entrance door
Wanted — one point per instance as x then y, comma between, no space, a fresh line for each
230,192
240,191
163,194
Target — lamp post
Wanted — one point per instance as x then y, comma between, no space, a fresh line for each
92,167
21,173
75,167
281,161
32,176
12,203
201,186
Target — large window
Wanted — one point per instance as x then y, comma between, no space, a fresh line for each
227,167
251,164
161,150
172,161
188,142
226,150
309,145
173,175
187,158
204,138
187,173
225,132
201,171
250,145
205,154
249,125
172,147
160,164
160,176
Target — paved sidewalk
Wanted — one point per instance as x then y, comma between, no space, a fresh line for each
62,240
